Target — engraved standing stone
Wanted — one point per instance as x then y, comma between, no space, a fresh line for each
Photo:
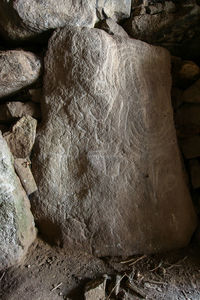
106,161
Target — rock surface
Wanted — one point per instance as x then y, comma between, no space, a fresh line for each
15,110
23,19
17,230
174,25
22,168
106,160
22,137
18,69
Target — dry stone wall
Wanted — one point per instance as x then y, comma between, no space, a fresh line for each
106,161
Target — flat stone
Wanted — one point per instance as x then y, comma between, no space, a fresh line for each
194,167
192,94
22,137
18,69
22,168
25,19
17,230
106,160
191,147
15,110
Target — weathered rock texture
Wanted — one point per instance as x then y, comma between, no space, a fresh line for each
106,161
23,170
23,19
17,229
172,24
22,137
18,69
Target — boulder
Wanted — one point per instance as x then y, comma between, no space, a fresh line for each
22,137
18,69
24,19
17,230
106,160
14,110
174,25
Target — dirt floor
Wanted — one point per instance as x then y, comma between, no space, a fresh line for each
50,273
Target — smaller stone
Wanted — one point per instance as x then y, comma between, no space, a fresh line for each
189,71
191,147
194,166
22,137
184,72
15,110
192,94
22,168
112,28
36,95
95,290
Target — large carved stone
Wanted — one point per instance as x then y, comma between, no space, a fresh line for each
106,160
24,19
17,230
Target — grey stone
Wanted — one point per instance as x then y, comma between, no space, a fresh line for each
22,168
24,19
176,27
113,28
22,137
192,94
106,160
191,147
18,69
15,110
117,10
194,167
17,230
